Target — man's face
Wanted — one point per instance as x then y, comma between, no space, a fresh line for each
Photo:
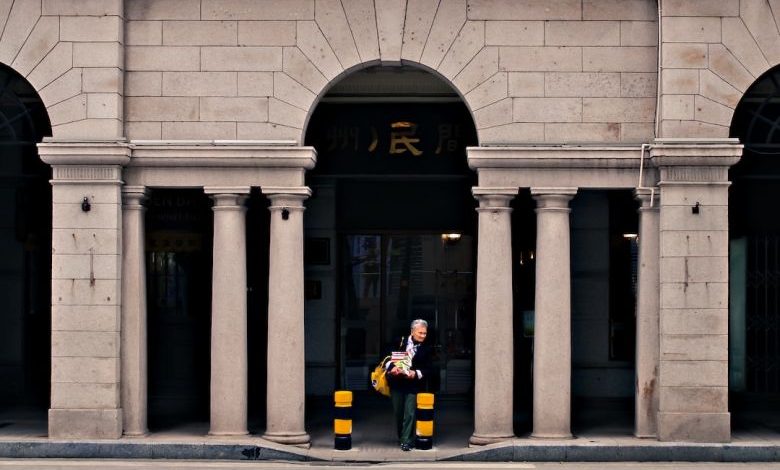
419,333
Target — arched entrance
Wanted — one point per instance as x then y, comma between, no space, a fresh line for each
25,256
390,234
754,228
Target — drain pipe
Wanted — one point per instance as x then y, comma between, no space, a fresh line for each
640,183
659,80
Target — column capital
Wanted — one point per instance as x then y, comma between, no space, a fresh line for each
495,198
695,160
553,198
649,198
133,197
290,198
227,197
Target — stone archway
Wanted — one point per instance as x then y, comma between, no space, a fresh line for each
25,255
754,315
390,186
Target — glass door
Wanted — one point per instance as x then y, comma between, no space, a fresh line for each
390,280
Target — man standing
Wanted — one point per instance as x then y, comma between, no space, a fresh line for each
405,382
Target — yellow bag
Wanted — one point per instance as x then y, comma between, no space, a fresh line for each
379,378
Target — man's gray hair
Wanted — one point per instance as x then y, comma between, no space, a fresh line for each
419,322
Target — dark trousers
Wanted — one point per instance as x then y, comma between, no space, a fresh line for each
404,405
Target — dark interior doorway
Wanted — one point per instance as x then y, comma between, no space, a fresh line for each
179,247
25,254
754,261
604,253
390,233
179,228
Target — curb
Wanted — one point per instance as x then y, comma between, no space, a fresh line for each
507,452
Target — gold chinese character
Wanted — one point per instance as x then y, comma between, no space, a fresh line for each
448,138
402,138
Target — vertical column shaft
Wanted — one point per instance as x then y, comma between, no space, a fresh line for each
647,316
552,319
494,347
285,420
133,337
228,314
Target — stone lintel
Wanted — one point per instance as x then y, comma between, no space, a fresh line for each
232,154
555,156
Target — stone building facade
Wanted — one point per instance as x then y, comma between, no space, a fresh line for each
566,96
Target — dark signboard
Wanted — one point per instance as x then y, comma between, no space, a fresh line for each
391,138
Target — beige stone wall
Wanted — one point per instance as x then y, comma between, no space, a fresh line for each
71,52
531,71
711,53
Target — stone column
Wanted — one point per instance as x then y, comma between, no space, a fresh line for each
285,421
229,369
552,318
134,346
647,306
86,287
494,347
694,243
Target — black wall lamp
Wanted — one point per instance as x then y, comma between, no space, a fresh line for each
695,208
285,214
85,205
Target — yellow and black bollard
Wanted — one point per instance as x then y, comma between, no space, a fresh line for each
342,420
424,417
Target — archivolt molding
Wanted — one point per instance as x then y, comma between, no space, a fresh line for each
700,96
58,48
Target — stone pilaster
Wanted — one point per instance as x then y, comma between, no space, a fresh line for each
694,241
647,306
133,344
229,361
552,318
494,344
286,362
86,287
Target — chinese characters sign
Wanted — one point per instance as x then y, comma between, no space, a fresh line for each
397,138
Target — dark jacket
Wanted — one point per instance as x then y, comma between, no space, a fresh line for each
422,362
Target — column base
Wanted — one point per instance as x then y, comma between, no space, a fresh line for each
85,423
694,427
135,433
485,439
298,440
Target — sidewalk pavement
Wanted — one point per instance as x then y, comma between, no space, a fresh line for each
373,441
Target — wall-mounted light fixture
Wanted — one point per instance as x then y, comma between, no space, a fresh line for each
85,205
285,214
450,238
695,208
